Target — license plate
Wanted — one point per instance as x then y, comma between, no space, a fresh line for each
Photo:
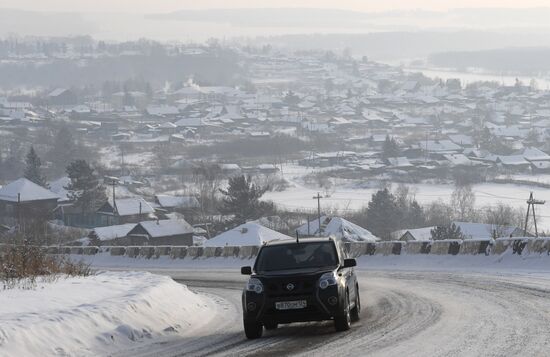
291,305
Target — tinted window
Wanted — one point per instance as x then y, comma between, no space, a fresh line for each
297,256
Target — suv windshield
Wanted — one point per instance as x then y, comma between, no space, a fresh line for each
297,256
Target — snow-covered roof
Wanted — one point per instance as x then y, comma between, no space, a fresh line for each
338,227
131,206
166,227
418,234
56,92
250,233
440,145
534,154
512,160
168,201
112,232
458,159
399,162
481,230
25,191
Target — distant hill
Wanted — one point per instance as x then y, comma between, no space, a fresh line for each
272,17
520,60
402,45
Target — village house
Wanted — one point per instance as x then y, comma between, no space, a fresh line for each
123,210
23,199
161,232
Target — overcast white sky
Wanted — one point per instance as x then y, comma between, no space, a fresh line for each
147,6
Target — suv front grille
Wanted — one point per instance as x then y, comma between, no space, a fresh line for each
285,287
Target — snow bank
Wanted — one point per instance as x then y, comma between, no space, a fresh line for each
98,315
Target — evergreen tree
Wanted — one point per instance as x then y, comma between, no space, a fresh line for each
291,99
33,171
414,217
451,231
85,188
390,148
383,214
242,199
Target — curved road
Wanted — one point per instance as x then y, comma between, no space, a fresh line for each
404,314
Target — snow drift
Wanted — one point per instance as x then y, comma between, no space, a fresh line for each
98,315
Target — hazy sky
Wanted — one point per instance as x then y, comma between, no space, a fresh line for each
172,5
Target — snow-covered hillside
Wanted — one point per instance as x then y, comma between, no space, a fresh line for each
98,315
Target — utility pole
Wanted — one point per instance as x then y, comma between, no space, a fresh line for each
531,202
318,198
113,181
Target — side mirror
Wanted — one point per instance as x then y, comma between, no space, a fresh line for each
246,270
349,263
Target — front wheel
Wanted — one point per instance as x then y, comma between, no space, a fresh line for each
253,329
343,322
357,308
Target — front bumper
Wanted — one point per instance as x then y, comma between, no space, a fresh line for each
318,307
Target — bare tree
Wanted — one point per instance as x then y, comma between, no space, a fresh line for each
502,216
463,202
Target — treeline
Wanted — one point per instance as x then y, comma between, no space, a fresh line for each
393,210
156,69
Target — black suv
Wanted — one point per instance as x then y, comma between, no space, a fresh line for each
298,281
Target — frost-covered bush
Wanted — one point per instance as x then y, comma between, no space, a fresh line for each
22,264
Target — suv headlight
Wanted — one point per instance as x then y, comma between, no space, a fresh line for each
327,280
255,285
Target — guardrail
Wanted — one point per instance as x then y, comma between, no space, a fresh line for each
518,246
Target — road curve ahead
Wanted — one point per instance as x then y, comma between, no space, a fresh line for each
404,314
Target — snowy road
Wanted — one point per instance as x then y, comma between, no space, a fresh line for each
404,314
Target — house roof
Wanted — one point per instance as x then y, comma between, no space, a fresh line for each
25,191
418,234
512,160
251,233
534,154
131,206
338,227
166,227
440,145
112,232
458,159
399,162
56,92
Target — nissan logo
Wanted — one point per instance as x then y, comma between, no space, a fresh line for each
290,286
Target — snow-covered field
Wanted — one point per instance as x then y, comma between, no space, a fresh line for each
353,196
99,315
